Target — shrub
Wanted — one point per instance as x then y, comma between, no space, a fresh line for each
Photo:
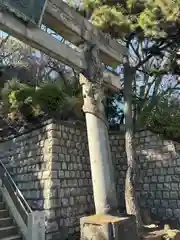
50,98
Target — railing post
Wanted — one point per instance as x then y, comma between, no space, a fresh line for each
36,226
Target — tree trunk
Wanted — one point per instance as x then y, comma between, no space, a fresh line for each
131,201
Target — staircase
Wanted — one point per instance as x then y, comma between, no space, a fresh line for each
8,230
16,216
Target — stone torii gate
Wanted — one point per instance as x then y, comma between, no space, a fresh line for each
98,48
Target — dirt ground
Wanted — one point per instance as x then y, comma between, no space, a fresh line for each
155,232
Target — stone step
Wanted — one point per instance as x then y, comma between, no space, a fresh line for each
2,205
4,213
6,222
16,237
7,232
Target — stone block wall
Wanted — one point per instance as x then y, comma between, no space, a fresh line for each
117,144
159,173
159,165
52,169
71,166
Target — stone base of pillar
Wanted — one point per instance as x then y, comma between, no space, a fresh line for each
107,227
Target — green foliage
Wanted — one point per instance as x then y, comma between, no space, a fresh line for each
8,93
50,98
18,97
152,18
113,109
162,117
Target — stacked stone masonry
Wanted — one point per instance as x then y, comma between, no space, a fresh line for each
52,169
159,173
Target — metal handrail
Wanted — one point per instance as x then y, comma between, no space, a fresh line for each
16,196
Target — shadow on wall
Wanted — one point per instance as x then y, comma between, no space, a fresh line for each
51,167
159,174
159,165
117,144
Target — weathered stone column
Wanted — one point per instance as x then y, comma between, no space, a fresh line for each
99,149
106,224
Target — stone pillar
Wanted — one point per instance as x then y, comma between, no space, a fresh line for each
106,224
99,149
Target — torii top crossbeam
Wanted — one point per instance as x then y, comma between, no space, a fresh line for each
74,28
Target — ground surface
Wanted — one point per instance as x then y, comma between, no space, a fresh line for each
155,232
